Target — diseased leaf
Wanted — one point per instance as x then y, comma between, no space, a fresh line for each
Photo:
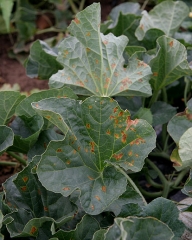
166,16
41,63
162,209
8,103
35,206
84,230
24,108
6,138
94,62
169,64
105,135
162,112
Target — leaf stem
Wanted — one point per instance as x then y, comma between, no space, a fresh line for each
131,182
180,177
73,7
153,183
160,154
154,98
186,90
19,159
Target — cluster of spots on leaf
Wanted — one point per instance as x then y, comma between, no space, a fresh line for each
142,64
80,83
137,141
130,122
118,156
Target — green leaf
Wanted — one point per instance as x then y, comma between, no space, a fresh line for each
6,8
34,206
6,138
105,135
98,235
43,140
41,63
135,228
166,16
129,196
130,209
162,112
144,113
1,221
125,8
84,230
162,209
169,64
24,108
26,131
94,62
8,103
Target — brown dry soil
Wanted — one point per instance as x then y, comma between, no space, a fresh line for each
12,71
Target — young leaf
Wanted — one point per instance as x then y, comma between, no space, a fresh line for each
169,64
41,63
166,16
84,230
162,209
135,228
105,135
6,8
95,62
162,112
8,103
6,138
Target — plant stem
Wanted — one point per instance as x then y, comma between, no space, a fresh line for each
180,177
19,159
51,29
186,90
164,92
81,6
150,194
131,182
144,5
153,183
5,163
74,8
164,135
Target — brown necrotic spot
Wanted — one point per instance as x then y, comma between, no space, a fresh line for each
33,230
25,179
155,74
141,26
76,20
116,135
66,188
88,34
88,126
108,132
48,117
45,209
104,189
59,150
92,146
115,109
68,162
90,178
120,113
98,198
113,65
36,105
130,153
92,207
24,189
171,44
124,137
96,61
90,107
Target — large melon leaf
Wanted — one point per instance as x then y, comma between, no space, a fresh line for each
166,16
98,136
94,62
